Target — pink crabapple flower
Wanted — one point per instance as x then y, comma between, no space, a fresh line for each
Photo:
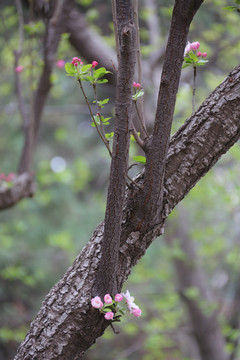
109,315
195,45
199,53
118,297
19,68
204,54
107,299
76,61
60,64
137,312
97,302
136,85
94,64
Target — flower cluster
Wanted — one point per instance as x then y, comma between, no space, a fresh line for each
8,178
7,181
60,63
136,85
192,55
137,91
111,308
19,69
76,61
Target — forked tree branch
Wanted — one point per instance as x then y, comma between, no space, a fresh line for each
66,325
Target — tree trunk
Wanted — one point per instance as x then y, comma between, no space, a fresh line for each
66,325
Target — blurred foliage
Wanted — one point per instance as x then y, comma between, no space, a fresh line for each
40,237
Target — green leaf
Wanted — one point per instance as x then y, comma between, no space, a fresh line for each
103,102
107,309
91,79
109,135
230,8
70,69
85,68
105,119
100,72
201,62
140,159
193,56
102,81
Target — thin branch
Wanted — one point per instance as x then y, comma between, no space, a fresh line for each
157,146
142,123
139,67
139,141
115,29
194,88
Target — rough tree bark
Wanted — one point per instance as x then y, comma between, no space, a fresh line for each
66,325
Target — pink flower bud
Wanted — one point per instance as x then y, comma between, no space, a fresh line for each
199,53
109,315
75,64
94,64
2,176
134,84
19,69
74,59
204,54
137,312
118,297
107,299
60,64
138,85
96,302
195,45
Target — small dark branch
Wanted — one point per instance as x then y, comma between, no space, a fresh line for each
23,187
141,119
194,88
54,27
139,67
139,141
114,15
106,276
157,146
21,103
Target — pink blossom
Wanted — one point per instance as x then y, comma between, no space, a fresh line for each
204,54
137,312
19,68
60,64
96,302
107,299
118,297
136,85
10,177
76,61
109,315
2,176
195,45
94,64
199,53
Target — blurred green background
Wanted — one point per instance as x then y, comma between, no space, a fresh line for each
40,237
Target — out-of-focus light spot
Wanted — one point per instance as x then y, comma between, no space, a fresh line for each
58,164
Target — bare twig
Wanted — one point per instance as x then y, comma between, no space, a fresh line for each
139,67
194,88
